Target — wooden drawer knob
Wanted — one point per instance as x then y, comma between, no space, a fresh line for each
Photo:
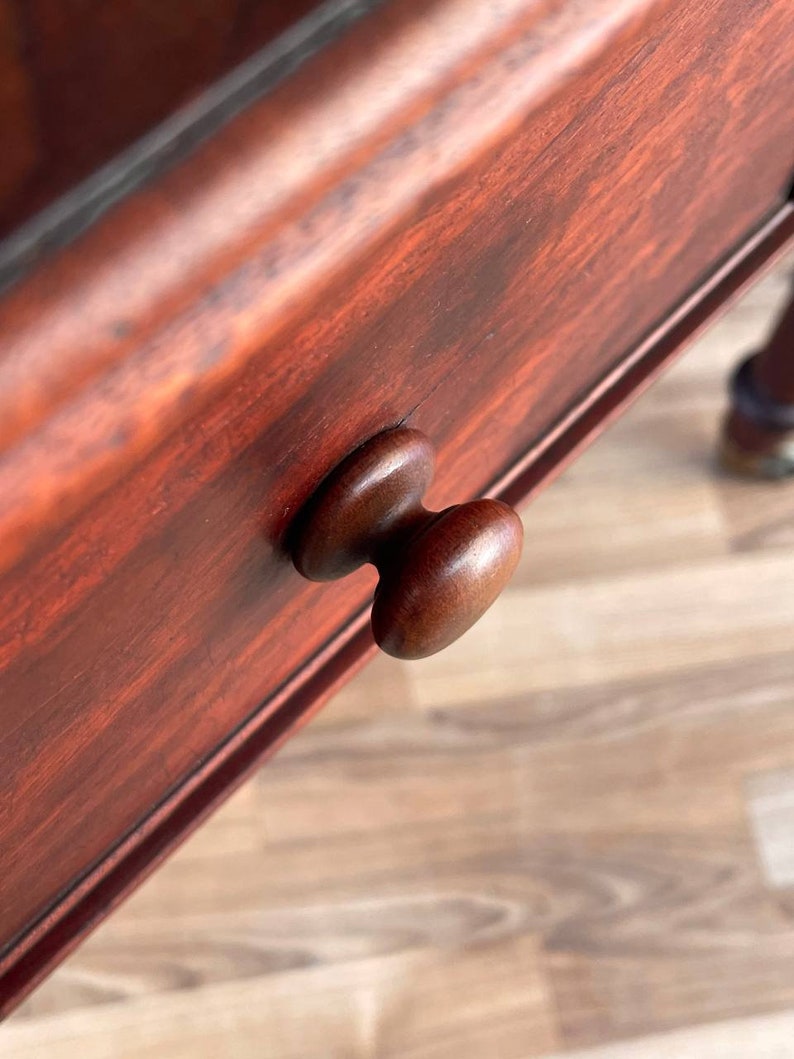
439,570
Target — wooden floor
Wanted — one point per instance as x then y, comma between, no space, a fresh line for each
572,833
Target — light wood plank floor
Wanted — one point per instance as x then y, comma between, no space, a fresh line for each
570,834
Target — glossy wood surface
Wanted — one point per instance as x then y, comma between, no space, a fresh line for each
527,845
446,247
81,82
283,714
412,263
439,571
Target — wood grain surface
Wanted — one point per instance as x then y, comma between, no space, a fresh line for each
79,86
569,835
449,245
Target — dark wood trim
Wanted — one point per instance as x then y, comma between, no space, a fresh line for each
58,223
102,888
758,433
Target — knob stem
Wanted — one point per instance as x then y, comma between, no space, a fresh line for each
439,571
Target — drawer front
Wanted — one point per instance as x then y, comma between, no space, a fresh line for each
507,229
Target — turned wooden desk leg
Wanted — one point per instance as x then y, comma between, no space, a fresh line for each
758,434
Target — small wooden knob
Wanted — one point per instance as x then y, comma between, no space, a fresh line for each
439,570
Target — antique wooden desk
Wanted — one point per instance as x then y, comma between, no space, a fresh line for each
239,242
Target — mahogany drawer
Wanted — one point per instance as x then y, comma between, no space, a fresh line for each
467,219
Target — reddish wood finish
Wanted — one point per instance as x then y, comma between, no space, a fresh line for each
758,435
188,804
473,245
81,81
439,571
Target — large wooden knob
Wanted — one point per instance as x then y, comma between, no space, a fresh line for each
439,570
